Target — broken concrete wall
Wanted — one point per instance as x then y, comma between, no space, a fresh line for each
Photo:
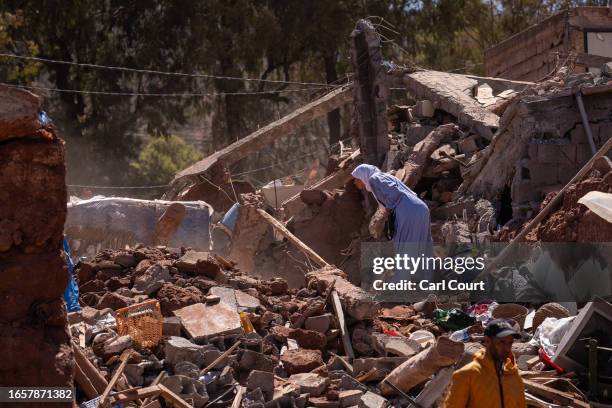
541,145
35,340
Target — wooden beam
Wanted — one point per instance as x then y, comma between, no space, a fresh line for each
169,396
346,338
553,394
118,372
162,374
292,238
152,404
240,391
84,383
267,134
135,394
220,358
89,370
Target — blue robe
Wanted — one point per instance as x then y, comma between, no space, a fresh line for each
412,221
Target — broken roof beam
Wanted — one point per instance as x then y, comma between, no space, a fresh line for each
452,93
267,134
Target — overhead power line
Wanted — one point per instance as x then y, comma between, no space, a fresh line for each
156,72
173,95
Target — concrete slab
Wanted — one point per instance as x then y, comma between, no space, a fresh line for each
202,321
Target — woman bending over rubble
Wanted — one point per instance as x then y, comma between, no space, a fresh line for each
409,215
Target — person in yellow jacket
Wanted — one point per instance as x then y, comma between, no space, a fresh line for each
492,379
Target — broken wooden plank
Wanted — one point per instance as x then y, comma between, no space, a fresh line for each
266,135
135,394
451,93
84,383
240,391
220,358
152,404
162,374
89,370
118,372
554,395
346,339
292,238
169,396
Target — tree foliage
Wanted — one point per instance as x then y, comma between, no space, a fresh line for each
162,158
303,41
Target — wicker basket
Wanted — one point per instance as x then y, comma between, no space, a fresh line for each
143,322
549,310
511,311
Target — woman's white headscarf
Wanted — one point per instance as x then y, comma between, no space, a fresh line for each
363,172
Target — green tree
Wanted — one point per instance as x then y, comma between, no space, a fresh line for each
162,158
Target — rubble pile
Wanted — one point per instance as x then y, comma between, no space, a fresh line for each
236,340
574,222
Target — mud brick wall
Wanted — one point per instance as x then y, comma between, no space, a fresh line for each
34,335
529,55
557,148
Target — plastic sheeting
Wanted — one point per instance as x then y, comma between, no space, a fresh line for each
549,334
598,202
114,222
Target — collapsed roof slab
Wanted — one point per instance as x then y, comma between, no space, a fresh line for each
265,136
453,94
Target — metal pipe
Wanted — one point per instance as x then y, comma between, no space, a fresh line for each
585,122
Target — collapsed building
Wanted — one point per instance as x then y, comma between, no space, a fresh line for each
273,314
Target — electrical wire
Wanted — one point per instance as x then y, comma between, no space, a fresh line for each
175,95
156,72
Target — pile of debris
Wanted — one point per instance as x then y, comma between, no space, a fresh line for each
225,338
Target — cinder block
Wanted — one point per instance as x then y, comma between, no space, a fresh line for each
603,134
550,154
578,135
523,192
532,151
583,154
569,152
543,174
565,173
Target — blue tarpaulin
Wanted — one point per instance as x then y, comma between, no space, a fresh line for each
71,294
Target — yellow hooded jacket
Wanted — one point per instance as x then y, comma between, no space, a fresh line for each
476,385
